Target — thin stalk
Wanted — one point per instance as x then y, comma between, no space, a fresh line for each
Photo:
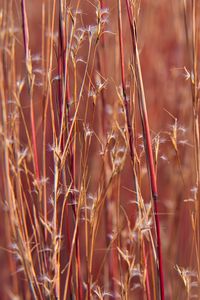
30,83
128,119
148,145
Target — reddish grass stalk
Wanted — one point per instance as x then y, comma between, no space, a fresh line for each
30,82
148,145
148,290
64,91
64,98
111,269
79,289
34,138
25,31
128,118
130,131
192,54
71,126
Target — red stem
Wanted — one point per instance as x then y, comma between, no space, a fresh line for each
31,82
148,146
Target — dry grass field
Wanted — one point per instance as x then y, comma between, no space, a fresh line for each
99,149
